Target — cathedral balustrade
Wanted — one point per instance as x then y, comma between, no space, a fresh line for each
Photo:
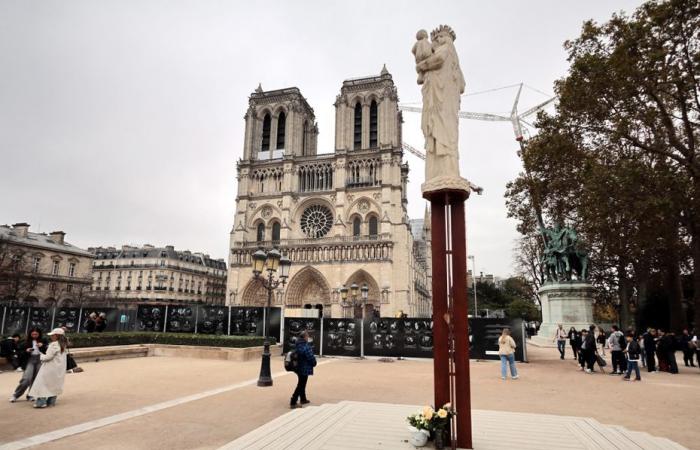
363,173
315,177
342,248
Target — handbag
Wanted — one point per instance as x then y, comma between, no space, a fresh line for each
601,361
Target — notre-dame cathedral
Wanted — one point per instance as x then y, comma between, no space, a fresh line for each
340,217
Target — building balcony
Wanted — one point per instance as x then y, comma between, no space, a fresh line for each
329,249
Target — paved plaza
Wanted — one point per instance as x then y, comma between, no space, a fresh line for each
180,403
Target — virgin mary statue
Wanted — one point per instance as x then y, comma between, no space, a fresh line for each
443,84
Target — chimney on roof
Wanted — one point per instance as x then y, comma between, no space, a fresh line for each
57,236
21,229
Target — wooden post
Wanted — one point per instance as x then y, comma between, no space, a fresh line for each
448,236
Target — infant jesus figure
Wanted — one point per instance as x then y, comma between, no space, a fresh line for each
421,50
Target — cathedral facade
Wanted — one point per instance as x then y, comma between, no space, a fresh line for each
340,217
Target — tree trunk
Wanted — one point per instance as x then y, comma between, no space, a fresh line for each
642,273
674,288
696,276
624,291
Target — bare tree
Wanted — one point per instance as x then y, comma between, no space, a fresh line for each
529,263
18,280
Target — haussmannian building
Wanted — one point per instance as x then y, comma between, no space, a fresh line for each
340,217
132,275
42,269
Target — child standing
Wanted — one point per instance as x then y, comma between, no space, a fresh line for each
421,50
633,353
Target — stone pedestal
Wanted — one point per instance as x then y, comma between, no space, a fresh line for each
568,303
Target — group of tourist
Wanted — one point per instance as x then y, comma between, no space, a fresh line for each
95,323
654,349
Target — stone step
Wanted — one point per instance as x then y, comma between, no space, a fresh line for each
378,426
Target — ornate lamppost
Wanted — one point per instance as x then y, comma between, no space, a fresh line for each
272,262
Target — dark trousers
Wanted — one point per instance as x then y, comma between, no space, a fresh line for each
561,345
300,391
588,358
618,361
14,360
672,365
688,357
575,350
651,362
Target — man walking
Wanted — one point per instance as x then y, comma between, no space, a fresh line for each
560,337
617,344
688,348
632,351
306,361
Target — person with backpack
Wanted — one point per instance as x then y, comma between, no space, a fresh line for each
633,352
617,344
305,363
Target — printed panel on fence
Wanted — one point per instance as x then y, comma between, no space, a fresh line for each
212,320
16,318
150,318
341,337
417,338
484,334
181,319
384,337
294,326
276,323
68,318
107,319
40,318
247,321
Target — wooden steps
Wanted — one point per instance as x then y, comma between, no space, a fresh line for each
359,425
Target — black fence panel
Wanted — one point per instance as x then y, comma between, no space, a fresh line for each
67,317
111,317
181,319
384,337
294,326
16,318
150,318
417,338
484,334
341,337
276,323
212,320
40,318
247,321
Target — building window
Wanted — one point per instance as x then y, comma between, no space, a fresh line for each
55,268
162,263
71,270
373,124
357,135
303,137
281,124
69,288
356,223
373,228
260,232
266,133
35,263
276,232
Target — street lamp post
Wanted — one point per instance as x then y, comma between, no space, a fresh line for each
476,305
365,293
272,262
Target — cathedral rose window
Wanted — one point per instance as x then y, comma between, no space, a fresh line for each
316,221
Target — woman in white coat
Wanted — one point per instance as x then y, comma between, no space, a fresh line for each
49,383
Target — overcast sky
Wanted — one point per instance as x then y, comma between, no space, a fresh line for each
122,121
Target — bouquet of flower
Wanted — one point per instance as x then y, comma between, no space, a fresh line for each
428,419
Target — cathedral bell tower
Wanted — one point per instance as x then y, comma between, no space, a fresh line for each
279,123
367,114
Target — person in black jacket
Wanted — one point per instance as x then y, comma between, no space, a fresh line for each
30,355
574,341
306,361
91,323
650,348
9,349
588,347
688,348
633,354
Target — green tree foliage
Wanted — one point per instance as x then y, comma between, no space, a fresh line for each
618,159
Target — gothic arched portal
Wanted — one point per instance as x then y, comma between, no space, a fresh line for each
308,286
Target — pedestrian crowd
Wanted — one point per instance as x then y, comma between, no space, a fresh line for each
654,349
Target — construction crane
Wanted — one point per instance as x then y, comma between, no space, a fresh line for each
518,121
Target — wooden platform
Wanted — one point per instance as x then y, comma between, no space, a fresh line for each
357,425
